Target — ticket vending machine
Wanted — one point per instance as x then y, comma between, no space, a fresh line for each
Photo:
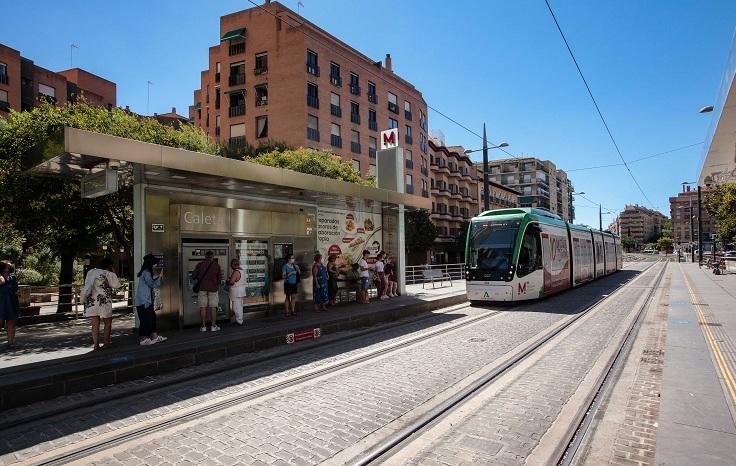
192,253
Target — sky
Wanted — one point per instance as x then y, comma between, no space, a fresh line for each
651,66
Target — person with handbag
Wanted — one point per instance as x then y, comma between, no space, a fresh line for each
9,304
292,276
145,298
236,283
208,276
96,295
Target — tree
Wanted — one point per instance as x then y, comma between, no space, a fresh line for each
313,162
420,231
721,204
460,240
667,228
628,243
664,243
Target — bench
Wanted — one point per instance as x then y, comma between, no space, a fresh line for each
433,275
347,289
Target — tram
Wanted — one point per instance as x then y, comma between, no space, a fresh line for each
519,254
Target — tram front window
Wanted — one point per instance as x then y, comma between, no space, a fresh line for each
491,248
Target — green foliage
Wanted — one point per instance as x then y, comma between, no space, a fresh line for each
664,243
628,243
721,204
29,277
46,263
247,150
11,244
420,231
667,228
313,162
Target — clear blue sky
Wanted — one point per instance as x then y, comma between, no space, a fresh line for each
651,65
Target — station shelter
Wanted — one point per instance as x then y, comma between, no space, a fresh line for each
186,203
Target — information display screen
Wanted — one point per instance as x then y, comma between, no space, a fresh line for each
253,256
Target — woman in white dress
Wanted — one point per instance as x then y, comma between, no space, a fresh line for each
97,292
236,282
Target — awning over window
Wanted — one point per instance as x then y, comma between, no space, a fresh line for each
235,91
233,34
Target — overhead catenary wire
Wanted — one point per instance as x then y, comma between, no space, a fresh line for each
595,103
659,154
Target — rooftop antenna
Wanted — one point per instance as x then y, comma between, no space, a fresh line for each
148,95
72,46
299,6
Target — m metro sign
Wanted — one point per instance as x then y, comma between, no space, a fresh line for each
390,138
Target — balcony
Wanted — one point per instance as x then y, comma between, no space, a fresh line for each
335,111
236,110
409,164
409,139
425,193
313,134
409,189
237,141
236,79
336,81
394,108
373,124
260,70
407,115
355,90
312,101
48,98
424,171
217,77
355,147
262,101
335,141
372,152
372,98
313,69
355,118
236,49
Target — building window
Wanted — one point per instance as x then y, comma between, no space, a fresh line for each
3,99
393,105
424,169
237,135
409,161
262,127
356,165
409,184
372,147
217,98
217,125
217,72
408,135
355,113
335,105
237,104
312,128
312,67
372,96
393,123
335,138
261,95
372,123
335,77
237,45
354,84
47,92
425,191
407,110
372,170
355,142
312,99
237,74
422,120
261,63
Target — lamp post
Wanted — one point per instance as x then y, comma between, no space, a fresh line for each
486,194
700,218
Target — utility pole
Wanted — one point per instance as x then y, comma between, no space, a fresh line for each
486,200
148,96
700,231
600,218
72,46
692,251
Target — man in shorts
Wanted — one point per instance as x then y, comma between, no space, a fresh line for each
209,275
365,276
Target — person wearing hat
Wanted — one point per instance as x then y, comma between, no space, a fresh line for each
144,301
208,274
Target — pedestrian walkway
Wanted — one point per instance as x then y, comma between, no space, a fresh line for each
697,420
53,359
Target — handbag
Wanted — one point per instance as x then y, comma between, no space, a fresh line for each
156,299
298,274
195,287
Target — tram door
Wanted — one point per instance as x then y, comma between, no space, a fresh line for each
546,261
193,253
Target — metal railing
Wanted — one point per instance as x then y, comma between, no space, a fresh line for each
414,273
39,301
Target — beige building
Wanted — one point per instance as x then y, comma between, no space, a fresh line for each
639,223
539,183
682,207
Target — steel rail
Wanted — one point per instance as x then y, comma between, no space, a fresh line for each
395,441
565,453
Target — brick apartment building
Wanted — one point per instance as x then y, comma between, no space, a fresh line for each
639,223
23,83
277,76
455,189
682,206
539,183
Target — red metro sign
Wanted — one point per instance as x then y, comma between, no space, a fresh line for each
389,138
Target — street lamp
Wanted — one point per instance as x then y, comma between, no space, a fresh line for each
690,214
706,109
486,194
600,210
700,218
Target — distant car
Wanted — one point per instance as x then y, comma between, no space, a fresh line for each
729,254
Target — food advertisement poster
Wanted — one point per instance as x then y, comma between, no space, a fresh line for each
347,233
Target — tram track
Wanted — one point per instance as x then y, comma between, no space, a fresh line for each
83,449
389,447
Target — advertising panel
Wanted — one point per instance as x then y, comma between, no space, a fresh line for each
346,233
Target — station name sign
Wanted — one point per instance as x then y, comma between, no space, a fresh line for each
204,218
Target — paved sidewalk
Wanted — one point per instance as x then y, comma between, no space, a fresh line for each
53,359
697,421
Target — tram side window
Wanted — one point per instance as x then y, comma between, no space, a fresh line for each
530,254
